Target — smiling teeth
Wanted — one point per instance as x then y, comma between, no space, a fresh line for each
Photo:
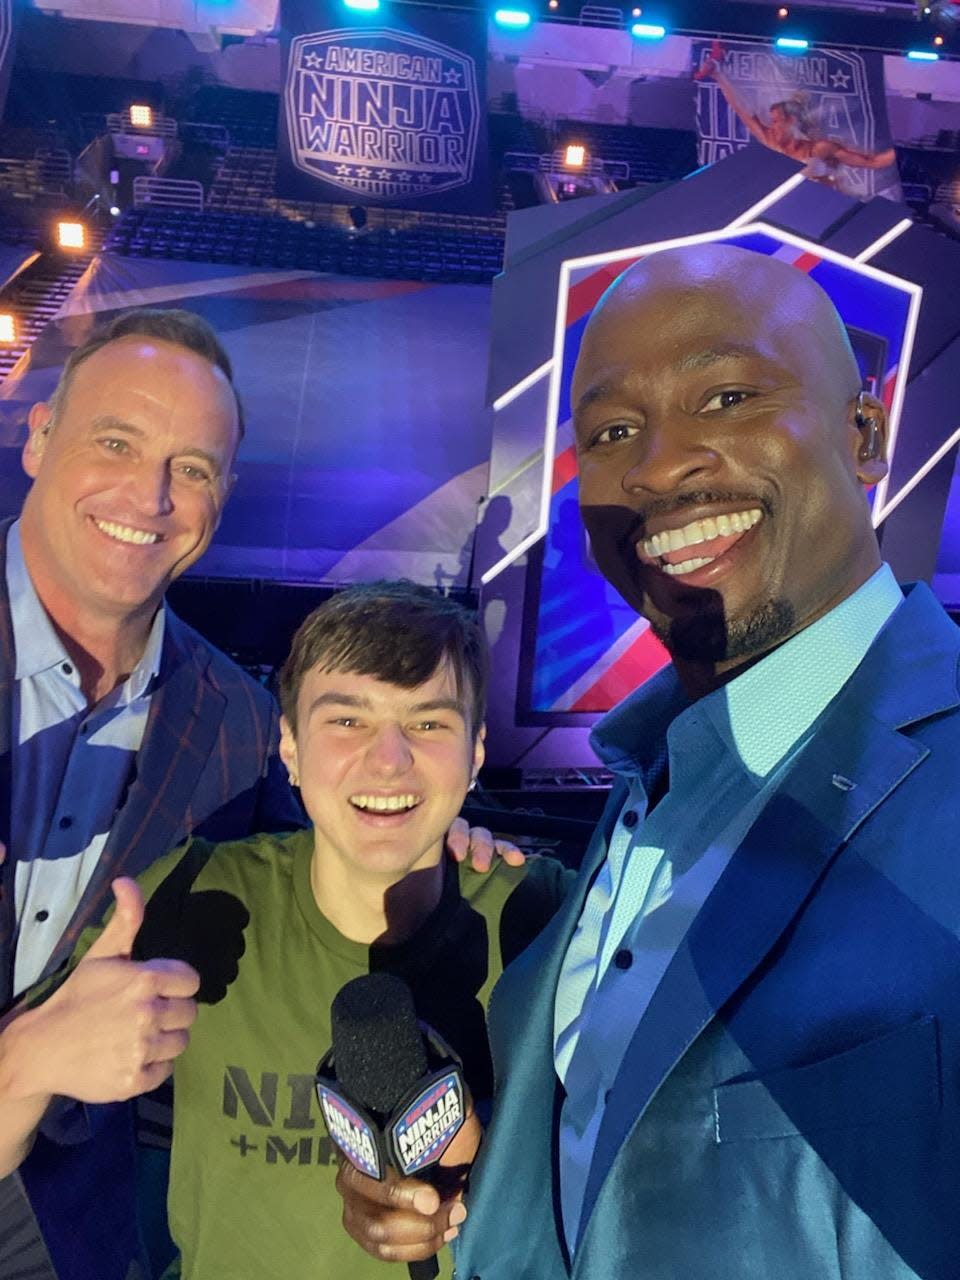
385,804
688,566
123,533
700,531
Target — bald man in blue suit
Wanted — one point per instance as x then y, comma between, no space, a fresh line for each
735,1053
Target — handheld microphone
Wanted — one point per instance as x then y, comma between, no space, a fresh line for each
390,1089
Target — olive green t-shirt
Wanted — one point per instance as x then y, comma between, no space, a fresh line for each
252,1192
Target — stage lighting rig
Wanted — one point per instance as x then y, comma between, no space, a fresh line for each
648,30
514,19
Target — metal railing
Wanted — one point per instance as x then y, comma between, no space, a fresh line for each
600,15
120,122
167,193
554,162
593,167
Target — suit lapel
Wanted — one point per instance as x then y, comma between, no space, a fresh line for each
848,768
186,712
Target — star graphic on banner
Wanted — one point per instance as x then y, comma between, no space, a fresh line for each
313,60
383,174
452,76
403,177
343,170
363,173
840,79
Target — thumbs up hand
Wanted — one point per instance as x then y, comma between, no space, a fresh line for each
115,1027
123,926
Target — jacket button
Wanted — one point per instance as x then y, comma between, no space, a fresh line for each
630,819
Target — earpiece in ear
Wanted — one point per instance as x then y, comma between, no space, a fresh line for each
868,425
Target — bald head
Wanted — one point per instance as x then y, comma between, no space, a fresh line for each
780,299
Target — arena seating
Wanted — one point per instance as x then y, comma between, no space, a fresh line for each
462,250
654,155
227,143
249,116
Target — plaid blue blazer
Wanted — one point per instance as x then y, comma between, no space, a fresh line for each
208,765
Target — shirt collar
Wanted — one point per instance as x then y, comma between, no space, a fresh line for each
765,711
37,646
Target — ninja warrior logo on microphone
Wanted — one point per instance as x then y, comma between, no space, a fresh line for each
421,1134
382,113
350,1131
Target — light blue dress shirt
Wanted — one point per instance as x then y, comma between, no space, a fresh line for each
71,767
726,754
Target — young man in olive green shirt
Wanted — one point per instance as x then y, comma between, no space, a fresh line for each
383,697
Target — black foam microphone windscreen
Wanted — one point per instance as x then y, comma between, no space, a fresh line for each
390,1089
377,1041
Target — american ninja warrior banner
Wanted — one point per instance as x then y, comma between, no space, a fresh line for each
384,113
824,107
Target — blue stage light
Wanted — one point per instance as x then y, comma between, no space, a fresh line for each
923,55
367,6
648,31
791,44
516,18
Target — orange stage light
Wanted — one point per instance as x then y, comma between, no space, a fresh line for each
71,235
575,155
8,328
141,115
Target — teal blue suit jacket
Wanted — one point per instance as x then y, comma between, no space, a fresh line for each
789,1106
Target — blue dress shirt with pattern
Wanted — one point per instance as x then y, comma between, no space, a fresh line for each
72,764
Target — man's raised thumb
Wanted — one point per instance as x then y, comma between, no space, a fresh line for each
121,929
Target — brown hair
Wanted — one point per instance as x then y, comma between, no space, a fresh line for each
180,328
397,632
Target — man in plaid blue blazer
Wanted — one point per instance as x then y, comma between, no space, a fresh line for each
122,730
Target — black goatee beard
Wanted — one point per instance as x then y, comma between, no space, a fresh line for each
705,634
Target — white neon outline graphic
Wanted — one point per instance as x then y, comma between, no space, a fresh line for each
881,242
823,252
523,385
905,490
550,436
880,507
771,198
